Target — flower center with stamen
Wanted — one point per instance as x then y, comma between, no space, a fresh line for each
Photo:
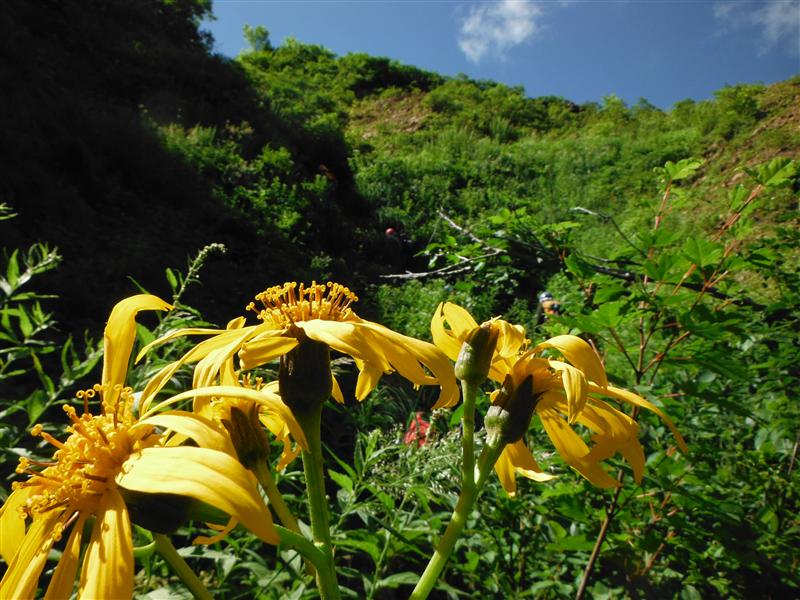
84,465
287,304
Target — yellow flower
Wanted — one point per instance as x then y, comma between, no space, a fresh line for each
106,456
290,314
451,326
563,393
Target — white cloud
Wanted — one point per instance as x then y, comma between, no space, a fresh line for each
778,21
496,27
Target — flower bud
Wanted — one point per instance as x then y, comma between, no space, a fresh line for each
247,434
475,357
305,380
508,418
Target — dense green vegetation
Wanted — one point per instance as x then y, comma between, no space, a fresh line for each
128,146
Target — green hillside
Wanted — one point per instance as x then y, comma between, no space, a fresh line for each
669,237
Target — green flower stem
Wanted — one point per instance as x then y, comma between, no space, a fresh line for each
469,390
489,455
311,422
311,555
276,500
165,548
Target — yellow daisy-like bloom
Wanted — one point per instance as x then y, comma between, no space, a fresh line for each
106,456
290,314
564,393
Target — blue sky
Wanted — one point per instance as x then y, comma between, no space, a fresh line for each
661,50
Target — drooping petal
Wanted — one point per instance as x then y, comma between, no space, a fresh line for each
22,575
206,475
197,353
524,463
281,432
172,335
119,335
368,378
221,534
517,459
510,340
460,321
264,349
428,354
64,577
574,387
209,367
444,338
107,570
580,354
505,473
336,391
399,357
345,337
264,398
636,400
572,448
201,429
12,523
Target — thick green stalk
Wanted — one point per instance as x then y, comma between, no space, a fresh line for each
165,548
469,391
311,421
465,503
312,556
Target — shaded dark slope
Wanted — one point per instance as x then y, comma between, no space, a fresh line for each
86,86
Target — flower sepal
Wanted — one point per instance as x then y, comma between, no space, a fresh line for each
512,408
247,434
305,381
475,358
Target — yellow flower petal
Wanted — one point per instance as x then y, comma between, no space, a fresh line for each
12,523
268,400
399,356
580,354
393,344
64,577
176,334
443,338
574,387
336,391
119,335
265,348
197,353
345,337
510,340
572,448
637,400
459,319
201,429
223,532
206,475
22,575
368,378
505,473
107,570
524,463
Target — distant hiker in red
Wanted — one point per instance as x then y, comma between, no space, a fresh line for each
417,431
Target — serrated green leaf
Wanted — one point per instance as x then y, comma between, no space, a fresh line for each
342,480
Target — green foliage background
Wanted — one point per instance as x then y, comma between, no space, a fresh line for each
128,145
